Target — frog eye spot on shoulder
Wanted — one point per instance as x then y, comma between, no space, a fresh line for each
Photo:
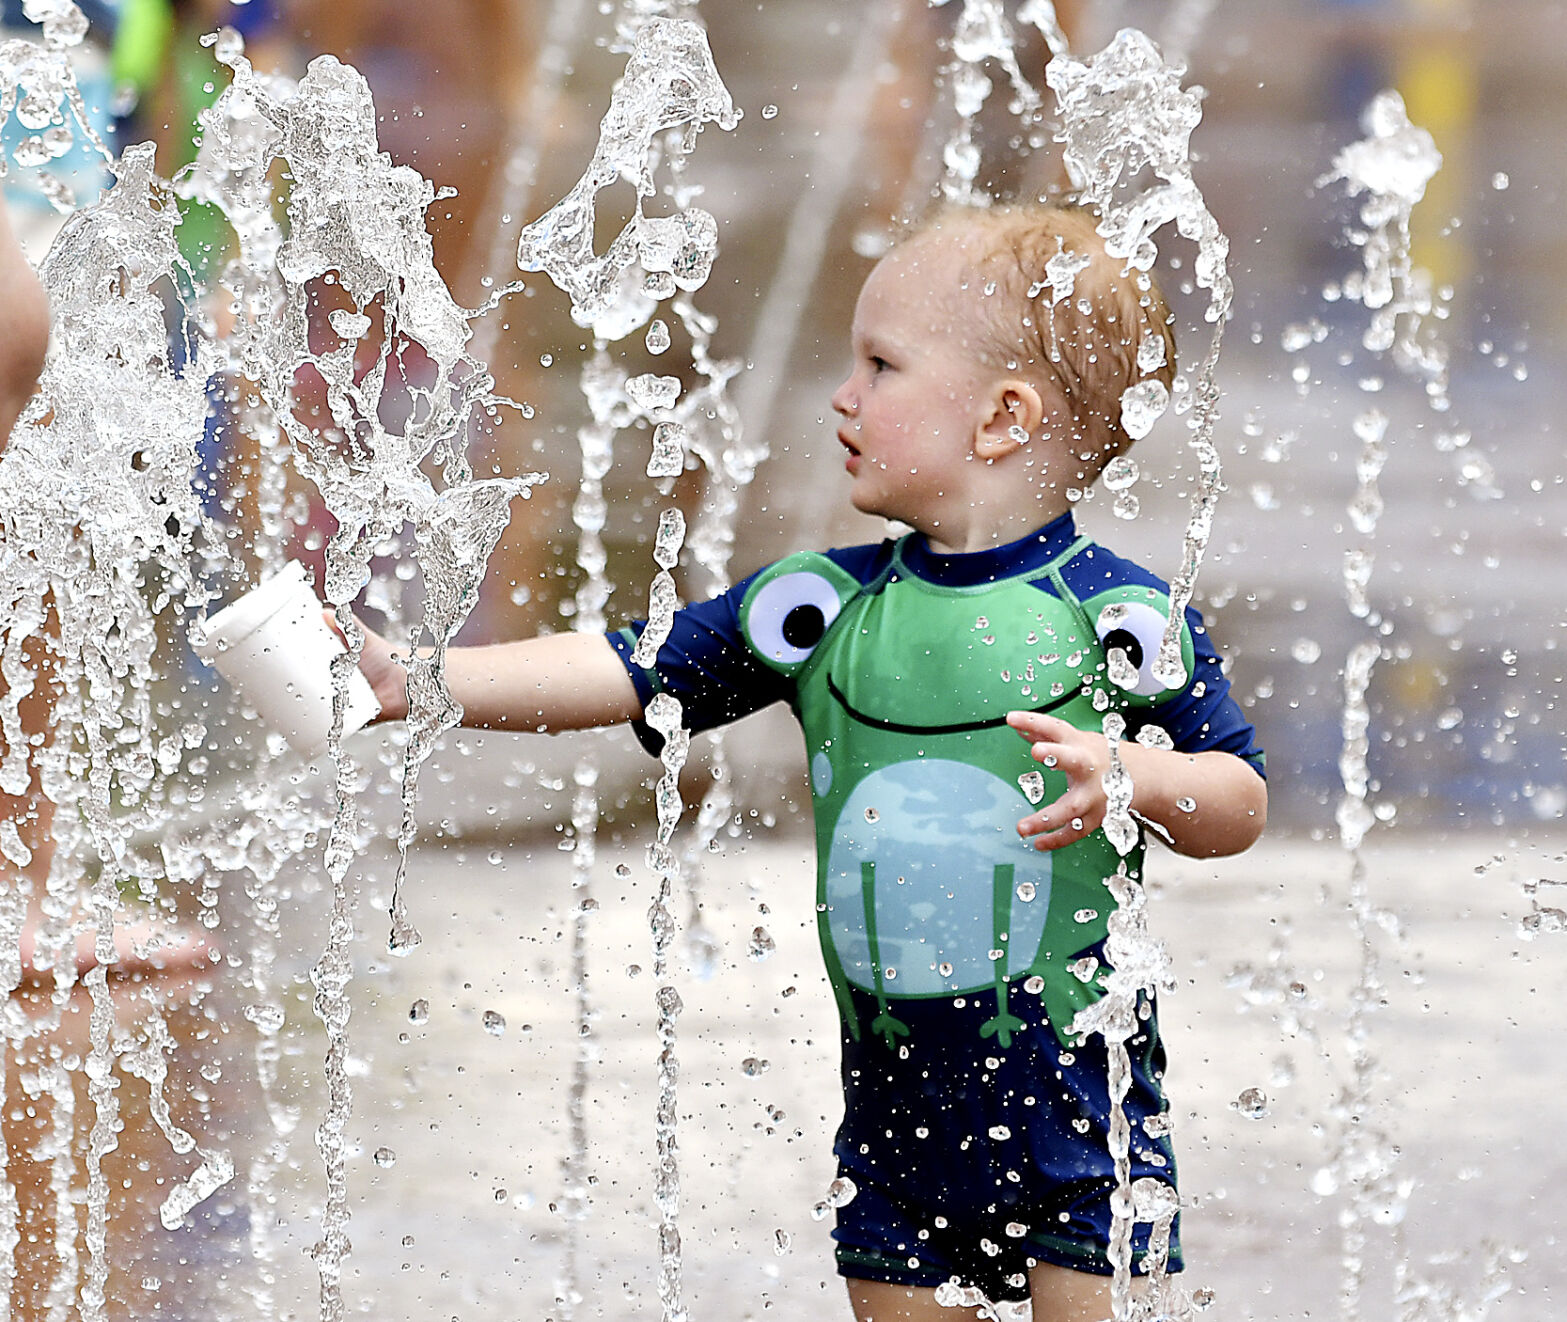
1135,629
790,615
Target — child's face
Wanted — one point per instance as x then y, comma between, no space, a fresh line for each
916,396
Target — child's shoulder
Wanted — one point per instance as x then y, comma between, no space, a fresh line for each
1093,568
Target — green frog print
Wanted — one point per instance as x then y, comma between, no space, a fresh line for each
902,686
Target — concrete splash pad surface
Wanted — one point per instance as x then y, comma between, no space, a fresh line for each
453,1218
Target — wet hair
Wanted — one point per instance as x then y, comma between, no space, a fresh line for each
1081,345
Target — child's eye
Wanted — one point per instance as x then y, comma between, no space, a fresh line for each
879,364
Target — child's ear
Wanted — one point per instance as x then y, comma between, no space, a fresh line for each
1014,414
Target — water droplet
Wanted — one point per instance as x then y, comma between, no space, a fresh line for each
769,111
871,815
349,325
1085,915
753,1067
1034,985
1252,1103
1025,891
944,968
650,391
1500,181
1016,1230
1186,804
419,1012
668,455
658,336
1157,1126
385,1158
761,945
1143,405
267,1018
1120,473
1083,969
1151,355
1000,1133
494,1023
1032,783
1306,650
782,1242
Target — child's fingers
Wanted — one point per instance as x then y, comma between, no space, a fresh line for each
1064,822
1035,726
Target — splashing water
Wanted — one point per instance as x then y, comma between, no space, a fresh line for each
1123,112
670,85
1388,170
265,824
104,534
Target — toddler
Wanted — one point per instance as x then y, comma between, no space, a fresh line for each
952,685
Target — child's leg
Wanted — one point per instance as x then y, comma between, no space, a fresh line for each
1058,1294
877,1301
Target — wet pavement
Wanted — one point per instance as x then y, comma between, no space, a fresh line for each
459,1215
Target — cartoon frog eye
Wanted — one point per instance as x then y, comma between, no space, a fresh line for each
1132,624
789,607
788,616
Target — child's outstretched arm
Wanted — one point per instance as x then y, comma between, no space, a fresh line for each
1205,804
563,681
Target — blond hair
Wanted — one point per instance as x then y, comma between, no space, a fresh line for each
1076,332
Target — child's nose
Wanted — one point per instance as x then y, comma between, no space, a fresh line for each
843,400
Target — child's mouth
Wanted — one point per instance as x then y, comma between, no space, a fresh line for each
852,462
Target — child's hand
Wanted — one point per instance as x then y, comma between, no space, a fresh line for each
1084,756
388,679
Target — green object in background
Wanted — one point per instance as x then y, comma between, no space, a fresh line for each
140,40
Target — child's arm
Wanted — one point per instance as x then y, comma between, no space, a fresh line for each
564,681
1206,804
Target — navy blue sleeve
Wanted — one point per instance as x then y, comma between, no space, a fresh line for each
706,663
1204,716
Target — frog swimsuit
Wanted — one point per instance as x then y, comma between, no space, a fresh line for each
958,954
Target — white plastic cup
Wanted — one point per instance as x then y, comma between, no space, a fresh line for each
275,648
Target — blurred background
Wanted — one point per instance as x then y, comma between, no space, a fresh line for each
845,116
846,110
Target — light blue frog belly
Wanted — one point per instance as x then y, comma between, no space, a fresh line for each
929,889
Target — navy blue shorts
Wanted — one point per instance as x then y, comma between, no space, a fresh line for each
973,1161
